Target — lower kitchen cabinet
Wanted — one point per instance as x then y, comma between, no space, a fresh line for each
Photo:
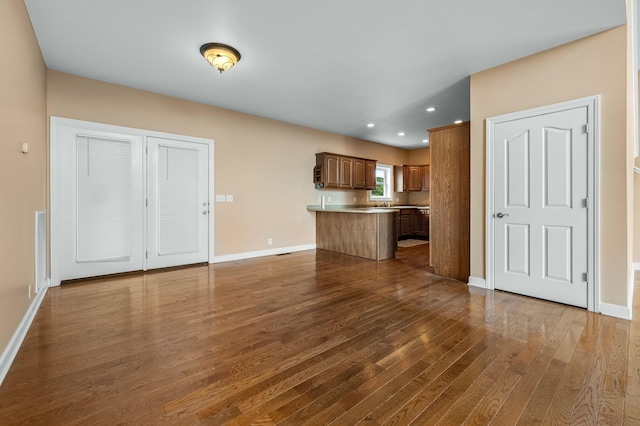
413,222
405,223
421,223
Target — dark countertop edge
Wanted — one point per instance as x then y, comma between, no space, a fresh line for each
346,209
361,209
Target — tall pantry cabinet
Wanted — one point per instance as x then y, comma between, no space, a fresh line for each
450,198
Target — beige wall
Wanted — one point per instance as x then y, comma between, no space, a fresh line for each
594,65
22,177
266,165
420,156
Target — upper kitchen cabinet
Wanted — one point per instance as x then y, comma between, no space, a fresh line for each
326,173
426,171
359,173
346,172
343,172
449,191
370,174
410,178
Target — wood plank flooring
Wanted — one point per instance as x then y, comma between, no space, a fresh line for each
318,338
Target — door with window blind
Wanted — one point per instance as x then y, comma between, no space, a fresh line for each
178,204
130,203
102,203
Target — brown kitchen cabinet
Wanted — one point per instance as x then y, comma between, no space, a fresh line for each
326,173
421,222
370,174
449,193
413,222
405,222
426,170
415,178
408,177
346,172
343,172
359,173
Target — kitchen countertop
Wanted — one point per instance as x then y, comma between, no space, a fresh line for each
362,209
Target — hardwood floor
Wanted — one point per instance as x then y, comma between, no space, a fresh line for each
318,338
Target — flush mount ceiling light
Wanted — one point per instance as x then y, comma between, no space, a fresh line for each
431,109
219,55
371,125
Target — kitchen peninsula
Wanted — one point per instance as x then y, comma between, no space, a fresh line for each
368,232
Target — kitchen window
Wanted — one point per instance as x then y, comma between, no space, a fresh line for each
383,184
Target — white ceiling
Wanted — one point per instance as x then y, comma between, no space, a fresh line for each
334,65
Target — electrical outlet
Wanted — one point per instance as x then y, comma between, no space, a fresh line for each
220,198
229,198
270,241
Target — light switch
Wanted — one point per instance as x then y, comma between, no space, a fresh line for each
219,198
229,198
25,147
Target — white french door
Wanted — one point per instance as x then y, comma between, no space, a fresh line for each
542,243
102,203
126,201
178,202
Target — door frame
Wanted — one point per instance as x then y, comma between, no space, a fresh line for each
55,182
592,103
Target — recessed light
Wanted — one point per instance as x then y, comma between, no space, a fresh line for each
370,124
401,134
431,109
457,122
425,140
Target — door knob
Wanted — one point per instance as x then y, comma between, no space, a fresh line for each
501,215
204,212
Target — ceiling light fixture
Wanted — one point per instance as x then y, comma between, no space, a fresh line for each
431,109
457,122
425,140
219,55
401,134
370,124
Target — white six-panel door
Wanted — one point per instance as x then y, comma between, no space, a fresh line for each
540,206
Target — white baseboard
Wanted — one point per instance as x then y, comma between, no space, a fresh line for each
617,311
261,253
10,352
477,282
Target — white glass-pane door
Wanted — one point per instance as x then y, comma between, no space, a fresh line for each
102,212
178,211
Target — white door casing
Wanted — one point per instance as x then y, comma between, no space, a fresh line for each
542,181
178,202
109,148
